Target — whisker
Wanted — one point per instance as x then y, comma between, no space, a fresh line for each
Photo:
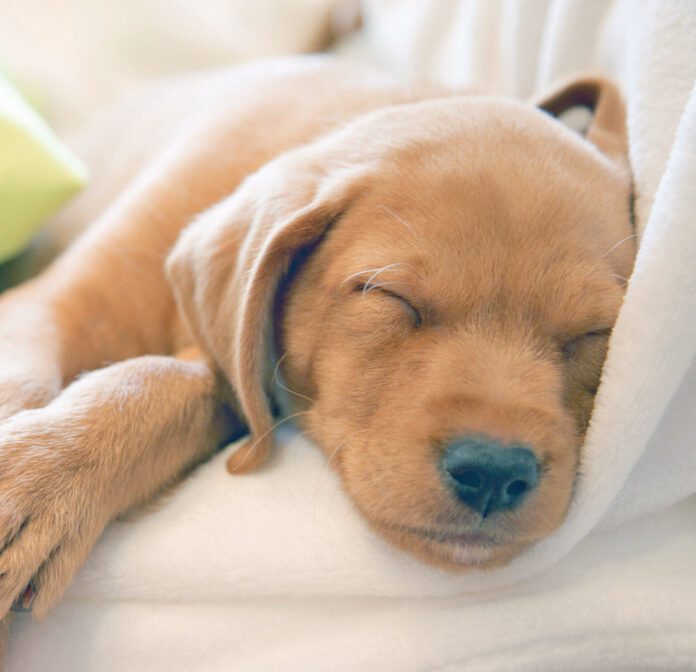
282,386
266,433
374,272
621,242
619,277
377,285
355,275
324,470
379,271
355,436
398,218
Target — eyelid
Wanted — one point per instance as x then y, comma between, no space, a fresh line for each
568,344
417,315
606,331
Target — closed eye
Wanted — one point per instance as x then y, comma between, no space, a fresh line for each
415,314
571,346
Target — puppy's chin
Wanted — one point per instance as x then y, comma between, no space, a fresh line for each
455,552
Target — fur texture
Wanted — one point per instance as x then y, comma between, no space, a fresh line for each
410,265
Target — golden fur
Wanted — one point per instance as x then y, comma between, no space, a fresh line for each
411,264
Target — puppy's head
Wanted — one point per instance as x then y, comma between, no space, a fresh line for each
443,278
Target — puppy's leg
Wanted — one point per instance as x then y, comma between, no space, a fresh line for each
110,441
106,298
30,372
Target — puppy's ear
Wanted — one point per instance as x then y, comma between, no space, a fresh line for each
592,106
227,265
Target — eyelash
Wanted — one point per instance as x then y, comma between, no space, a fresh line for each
415,313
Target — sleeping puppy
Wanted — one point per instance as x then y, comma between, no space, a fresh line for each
426,281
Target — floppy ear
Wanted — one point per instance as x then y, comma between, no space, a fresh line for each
594,107
227,265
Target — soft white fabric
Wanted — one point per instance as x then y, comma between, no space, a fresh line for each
76,56
275,570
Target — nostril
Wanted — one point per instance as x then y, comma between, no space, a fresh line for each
468,478
516,488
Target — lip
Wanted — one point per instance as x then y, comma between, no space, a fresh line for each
477,539
464,549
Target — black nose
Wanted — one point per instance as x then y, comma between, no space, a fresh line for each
488,476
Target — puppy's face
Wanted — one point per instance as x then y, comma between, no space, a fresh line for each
451,326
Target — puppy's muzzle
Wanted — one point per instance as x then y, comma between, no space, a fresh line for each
488,476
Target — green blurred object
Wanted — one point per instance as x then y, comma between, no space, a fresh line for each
37,172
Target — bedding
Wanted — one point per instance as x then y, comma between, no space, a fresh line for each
77,56
275,570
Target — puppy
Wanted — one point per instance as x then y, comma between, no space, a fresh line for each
426,281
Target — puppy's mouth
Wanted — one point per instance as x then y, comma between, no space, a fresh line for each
454,548
448,537
464,549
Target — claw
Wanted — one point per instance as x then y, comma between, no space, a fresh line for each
23,603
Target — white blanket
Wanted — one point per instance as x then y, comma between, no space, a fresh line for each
73,57
276,571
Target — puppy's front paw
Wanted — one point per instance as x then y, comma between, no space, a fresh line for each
53,507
